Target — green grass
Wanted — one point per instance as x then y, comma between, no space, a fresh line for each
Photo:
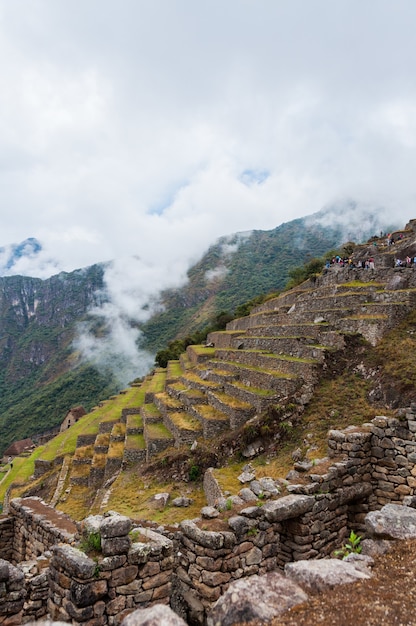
135,442
158,431
185,421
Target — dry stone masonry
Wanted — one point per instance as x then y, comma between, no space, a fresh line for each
43,571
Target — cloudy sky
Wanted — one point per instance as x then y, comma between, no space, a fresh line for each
151,127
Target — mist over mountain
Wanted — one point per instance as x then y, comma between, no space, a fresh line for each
77,337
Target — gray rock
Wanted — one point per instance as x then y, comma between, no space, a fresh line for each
292,475
246,477
247,494
393,521
374,547
92,523
361,561
256,598
153,616
253,449
321,574
209,512
182,501
76,563
4,570
287,507
240,524
160,500
115,545
115,526
303,466
269,486
256,487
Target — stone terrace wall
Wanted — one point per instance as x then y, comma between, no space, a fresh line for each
37,528
6,537
104,589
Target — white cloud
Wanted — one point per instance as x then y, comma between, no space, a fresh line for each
153,128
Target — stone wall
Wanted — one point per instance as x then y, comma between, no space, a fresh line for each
37,528
6,537
367,467
133,569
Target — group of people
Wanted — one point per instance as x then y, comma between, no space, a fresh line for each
349,262
407,262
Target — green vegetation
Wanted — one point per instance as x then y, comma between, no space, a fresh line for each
352,546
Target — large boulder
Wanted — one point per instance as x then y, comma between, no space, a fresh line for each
322,574
393,521
256,598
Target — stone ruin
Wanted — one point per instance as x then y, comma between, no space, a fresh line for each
45,574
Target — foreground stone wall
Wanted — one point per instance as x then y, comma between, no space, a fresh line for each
36,529
367,467
133,570
6,537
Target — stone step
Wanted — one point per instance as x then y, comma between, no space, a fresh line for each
258,358
199,353
257,397
185,362
150,413
184,427
186,395
213,421
134,424
173,371
238,411
223,338
301,347
156,385
118,432
157,438
166,403
97,470
102,441
282,384
135,448
193,380
320,333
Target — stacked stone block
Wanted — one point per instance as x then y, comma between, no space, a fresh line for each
126,575
34,532
12,594
6,537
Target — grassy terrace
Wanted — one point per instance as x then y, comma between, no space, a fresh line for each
116,449
185,421
65,443
151,410
254,368
157,382
99,460
158,431
231,401
168,402
134,421
118,430
85,452
174,369
203,350
135,442
267,353
258,391
358,284
208,412
103,439
194,378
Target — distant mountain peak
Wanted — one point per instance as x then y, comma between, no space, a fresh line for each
12,253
